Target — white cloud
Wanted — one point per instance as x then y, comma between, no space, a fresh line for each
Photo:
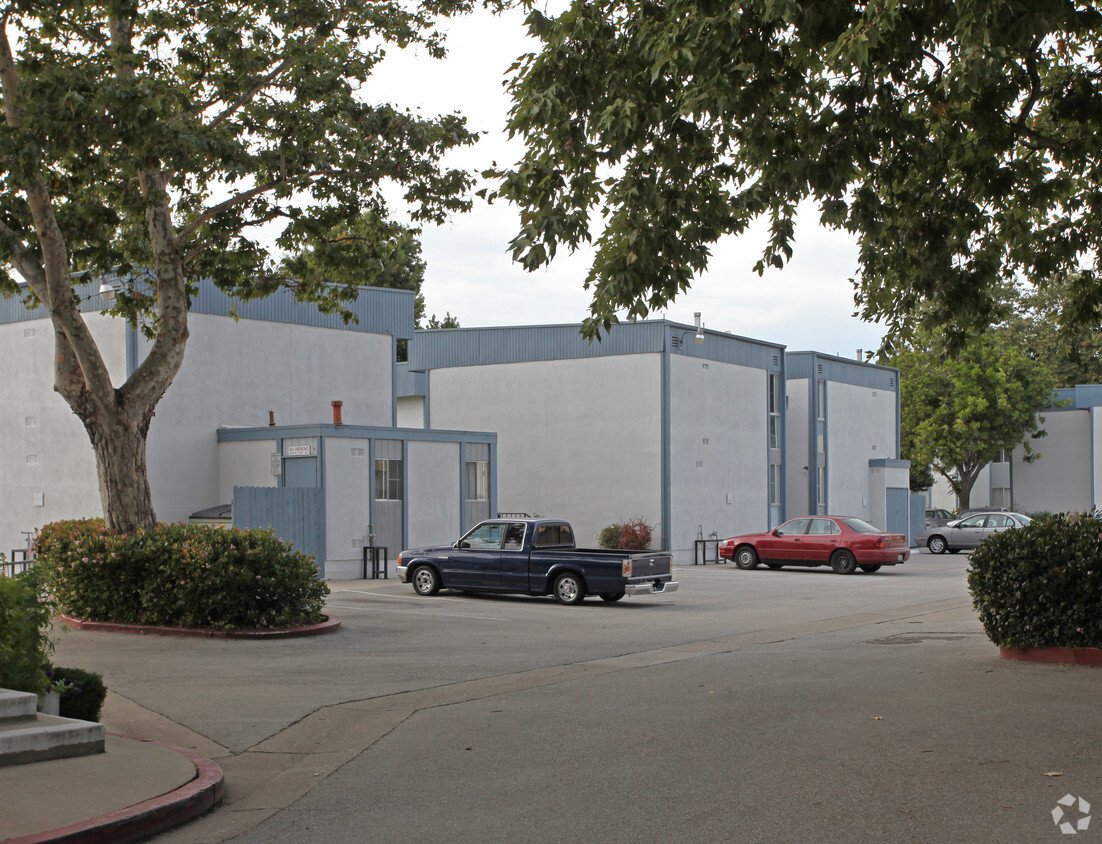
808,305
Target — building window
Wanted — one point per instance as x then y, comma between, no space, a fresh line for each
388,480
1001,456
774,410
478,480
774,484
820,490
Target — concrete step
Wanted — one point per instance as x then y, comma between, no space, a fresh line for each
29,736
17,704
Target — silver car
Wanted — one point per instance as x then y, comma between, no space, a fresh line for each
969,532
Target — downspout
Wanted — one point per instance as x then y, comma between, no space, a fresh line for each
667,469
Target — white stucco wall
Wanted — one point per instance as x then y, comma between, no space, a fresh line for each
718,451
1060,480
799,462
433,473
234,372
861,426
411,412
48,466
349,485
577,439
1096,455
247,463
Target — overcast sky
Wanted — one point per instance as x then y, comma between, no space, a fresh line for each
807,305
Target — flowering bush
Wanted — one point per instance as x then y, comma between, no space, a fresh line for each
179,576
632,535
1041,585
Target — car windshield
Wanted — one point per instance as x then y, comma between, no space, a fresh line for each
860,526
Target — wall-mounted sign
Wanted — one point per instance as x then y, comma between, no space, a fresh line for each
277,463
297,451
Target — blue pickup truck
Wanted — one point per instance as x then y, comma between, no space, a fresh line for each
535,557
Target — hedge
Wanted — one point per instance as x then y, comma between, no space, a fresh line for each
1041,585
179,576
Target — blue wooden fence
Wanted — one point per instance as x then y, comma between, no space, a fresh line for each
296,514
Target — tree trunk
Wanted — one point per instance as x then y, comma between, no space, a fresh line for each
120,446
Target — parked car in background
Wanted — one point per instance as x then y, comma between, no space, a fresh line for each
969,532
937,516
844,543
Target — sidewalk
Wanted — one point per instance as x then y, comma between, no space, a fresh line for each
134,789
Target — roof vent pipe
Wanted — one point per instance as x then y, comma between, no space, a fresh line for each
337,412
271,418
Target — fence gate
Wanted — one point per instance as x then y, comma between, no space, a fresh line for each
296,514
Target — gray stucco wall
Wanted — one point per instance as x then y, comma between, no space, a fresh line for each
718,462
1060,481
578,439
234,372
244,464
861,426
349,486
48,467
434,471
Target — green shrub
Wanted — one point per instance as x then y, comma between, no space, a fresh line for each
25,644
82,692
1041,585
609,537
180,576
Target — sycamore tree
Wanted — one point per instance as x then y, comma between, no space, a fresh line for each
157,138
959,142
959,411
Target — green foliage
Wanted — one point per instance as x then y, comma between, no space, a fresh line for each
958,142
634,535
82,692
25,644
1041,585
957,412
179,575
609,537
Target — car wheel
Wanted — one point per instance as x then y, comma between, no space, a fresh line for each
612,597
774,566
569,589
843,562
425,580
870,569
746,557
937,545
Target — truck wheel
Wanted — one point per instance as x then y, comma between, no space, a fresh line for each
612,597
746,557
843,562
425,580
569,589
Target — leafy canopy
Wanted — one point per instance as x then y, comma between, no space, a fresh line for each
958,141
253,112
958,412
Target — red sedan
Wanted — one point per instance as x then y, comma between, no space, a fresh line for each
842,542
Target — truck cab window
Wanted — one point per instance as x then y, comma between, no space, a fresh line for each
514,537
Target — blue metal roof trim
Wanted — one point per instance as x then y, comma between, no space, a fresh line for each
842,370
410,383
1079,397
364,432
380,310
452,347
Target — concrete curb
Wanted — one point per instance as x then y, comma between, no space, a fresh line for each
149,817
331,624
1063,656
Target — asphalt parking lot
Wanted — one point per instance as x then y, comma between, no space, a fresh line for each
792,705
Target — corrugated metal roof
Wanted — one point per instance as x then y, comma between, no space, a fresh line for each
841,370
379,310
1081,397
451,347
407,383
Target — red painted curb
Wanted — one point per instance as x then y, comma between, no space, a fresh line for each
331,624
1063,656
149,817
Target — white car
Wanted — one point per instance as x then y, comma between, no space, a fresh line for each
969,532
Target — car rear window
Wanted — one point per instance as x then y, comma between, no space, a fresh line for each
554,536
860,526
